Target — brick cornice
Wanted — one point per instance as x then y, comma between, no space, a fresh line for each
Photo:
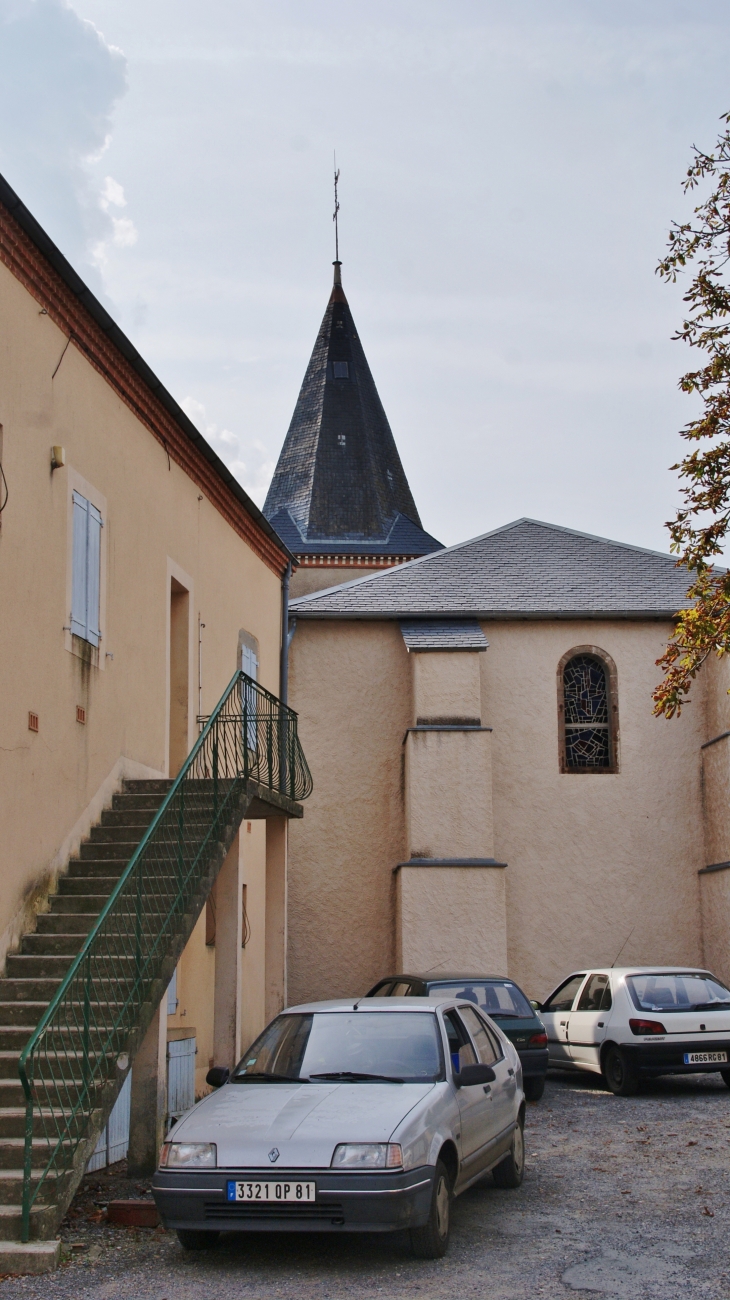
39,277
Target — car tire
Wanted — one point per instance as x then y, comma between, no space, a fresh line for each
432,1240
510,1171
726,1077
533,1088
197,1238
620,1073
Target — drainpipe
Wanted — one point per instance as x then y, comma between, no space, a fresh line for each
285,638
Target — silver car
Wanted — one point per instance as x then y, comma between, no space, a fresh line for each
349,1117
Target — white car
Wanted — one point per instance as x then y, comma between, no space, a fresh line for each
638,1022
349,1117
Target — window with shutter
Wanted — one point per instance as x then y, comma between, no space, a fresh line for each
248,646
87,526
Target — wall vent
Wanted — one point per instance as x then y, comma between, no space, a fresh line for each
80,714
32,721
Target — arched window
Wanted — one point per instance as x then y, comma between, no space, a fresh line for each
587,711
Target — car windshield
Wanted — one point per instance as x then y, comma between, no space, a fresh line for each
684,991
501,999
346,1046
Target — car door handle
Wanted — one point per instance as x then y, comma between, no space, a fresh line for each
563,1022
600,1024
510,1071
487,1088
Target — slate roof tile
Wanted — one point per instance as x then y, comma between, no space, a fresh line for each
526,569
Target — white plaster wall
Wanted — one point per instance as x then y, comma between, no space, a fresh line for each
592,858
351,683
449,794
446,685
451,919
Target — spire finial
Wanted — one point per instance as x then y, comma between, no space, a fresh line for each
337,263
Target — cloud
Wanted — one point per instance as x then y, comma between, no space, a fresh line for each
59,82
255,472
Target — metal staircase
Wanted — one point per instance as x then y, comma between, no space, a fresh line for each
93,973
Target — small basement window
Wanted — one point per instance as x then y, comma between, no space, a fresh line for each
341,370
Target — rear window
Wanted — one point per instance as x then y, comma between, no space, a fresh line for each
501,999
685,991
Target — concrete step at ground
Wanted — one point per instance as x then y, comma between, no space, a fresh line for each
41,1223
136,819
28,990
36,945
50,923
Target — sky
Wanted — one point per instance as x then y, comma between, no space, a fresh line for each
509,173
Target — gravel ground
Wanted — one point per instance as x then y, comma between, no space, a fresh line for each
622,1197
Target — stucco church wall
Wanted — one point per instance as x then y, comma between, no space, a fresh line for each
446,686
309,578
594,861
352,686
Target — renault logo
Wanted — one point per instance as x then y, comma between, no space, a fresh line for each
274,1154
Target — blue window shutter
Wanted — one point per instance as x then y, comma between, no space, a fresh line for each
78,577
249,662
93,558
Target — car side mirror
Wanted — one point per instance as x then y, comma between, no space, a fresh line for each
217,1076
536,1006
469,1075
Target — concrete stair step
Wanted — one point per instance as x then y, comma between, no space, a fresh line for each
35,945
158,786
82,884
89,869
12,1187
69,904
28,990
134,819
49,966
41,1224
12,1125
119,851
78,923
115,835
136,803
20,1014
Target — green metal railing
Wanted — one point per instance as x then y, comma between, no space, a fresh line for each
80,1047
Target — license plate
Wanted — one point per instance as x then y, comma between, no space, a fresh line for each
273,1191
705,1058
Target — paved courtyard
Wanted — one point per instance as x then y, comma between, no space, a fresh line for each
624,1198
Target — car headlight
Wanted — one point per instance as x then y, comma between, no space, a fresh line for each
187,1155
368,1155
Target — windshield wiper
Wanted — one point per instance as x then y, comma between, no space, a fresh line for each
270,1078
710,1006
353,1076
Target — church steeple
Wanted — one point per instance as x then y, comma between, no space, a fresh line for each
339,489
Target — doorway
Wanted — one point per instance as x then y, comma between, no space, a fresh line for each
179,675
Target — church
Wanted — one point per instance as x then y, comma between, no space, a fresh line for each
492,792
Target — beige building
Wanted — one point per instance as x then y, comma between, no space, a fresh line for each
136,578
518,809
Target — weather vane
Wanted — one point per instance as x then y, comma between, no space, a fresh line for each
334,215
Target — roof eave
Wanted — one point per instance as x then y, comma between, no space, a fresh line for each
100,315
491,615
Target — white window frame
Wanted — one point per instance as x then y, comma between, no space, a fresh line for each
86,570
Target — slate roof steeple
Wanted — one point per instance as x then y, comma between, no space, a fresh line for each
339,486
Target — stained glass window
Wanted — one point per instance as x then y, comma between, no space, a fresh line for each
587,723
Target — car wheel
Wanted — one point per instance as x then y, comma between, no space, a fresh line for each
533,1088
510,1171
197,1238
620,1074
726,1077
432,1240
